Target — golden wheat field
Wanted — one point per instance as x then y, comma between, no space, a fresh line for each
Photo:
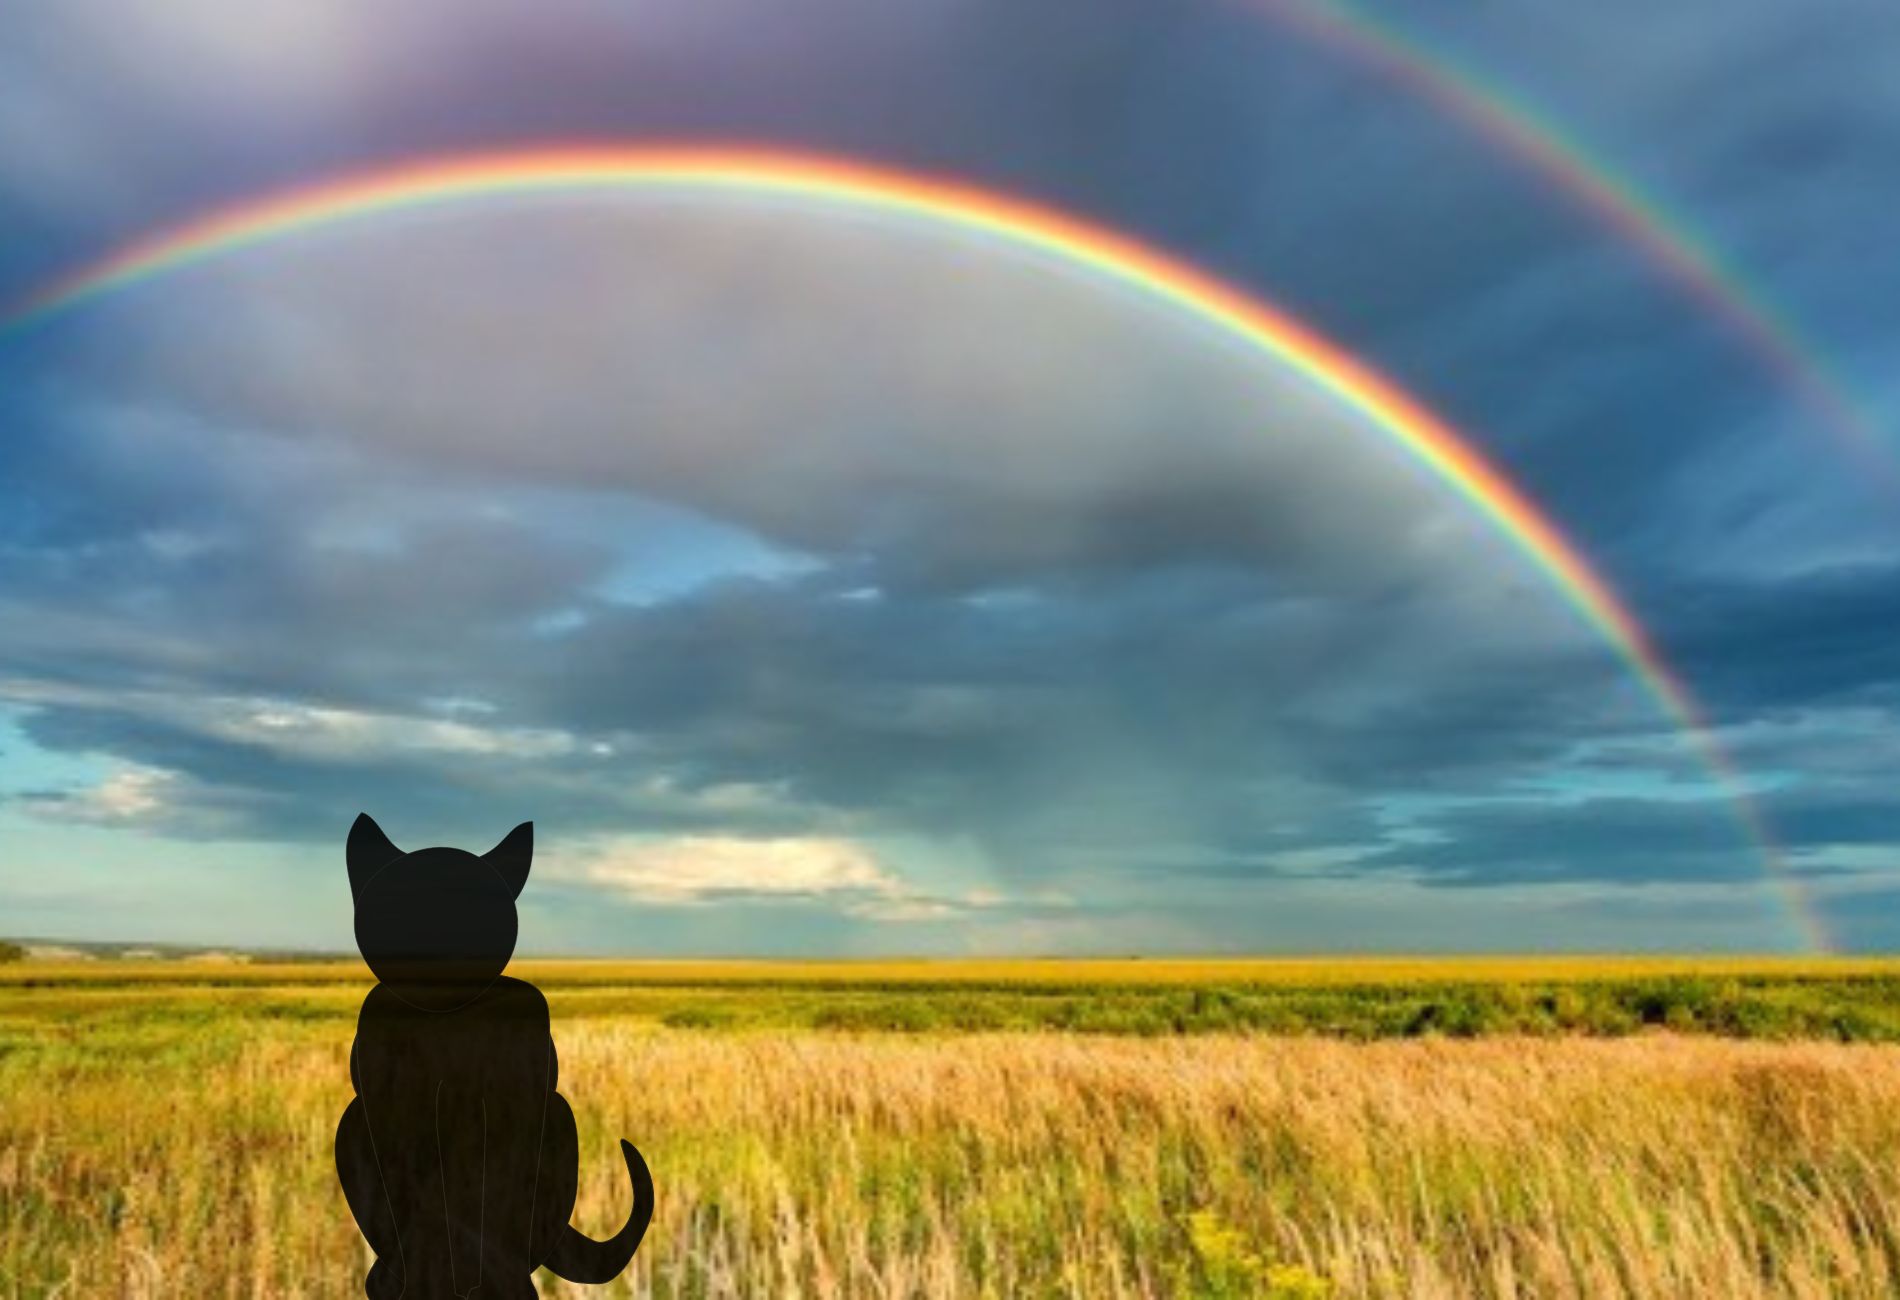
167,1132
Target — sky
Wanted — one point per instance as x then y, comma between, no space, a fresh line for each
822,582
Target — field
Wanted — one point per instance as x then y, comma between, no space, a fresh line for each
1645,1127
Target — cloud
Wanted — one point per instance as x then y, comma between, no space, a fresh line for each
1066,576
697,870
1767,643
133,795
715,522
740,359
291,729
690,869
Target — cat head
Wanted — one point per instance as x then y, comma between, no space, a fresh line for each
436,925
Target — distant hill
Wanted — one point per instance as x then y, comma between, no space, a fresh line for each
43,949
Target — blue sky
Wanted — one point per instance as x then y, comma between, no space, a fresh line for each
827,584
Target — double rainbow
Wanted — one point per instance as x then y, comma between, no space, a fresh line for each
1115,258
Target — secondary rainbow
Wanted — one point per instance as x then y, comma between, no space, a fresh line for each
1665,240
1429,442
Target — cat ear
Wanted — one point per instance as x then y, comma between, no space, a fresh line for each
512,856
368,851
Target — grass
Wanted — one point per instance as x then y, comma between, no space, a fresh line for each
1846,1001
1551,1130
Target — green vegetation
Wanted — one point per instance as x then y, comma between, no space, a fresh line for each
1222,1266
1850,1002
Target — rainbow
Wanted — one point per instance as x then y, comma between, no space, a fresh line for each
1665,240
1115,258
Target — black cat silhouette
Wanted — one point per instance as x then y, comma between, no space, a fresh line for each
458,1158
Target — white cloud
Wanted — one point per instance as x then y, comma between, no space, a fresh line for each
701,869
330,733
903,909
697,868
300,730
129,796
145,798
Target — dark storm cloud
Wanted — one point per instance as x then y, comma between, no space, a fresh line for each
948,713
1820,636
1632,840
1089,709
149,551
1763,135
994,418
1216,129
1133,640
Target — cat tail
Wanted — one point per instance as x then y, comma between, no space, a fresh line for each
580,1258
